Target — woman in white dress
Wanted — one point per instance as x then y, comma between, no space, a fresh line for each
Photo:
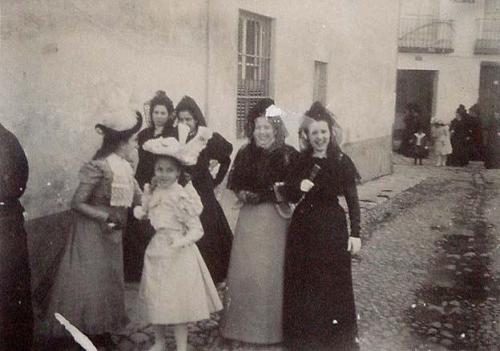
442,144
176,287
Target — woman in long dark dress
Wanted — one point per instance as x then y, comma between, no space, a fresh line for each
254,295
318,309
460,138
215,245
138,233
16,314
492,160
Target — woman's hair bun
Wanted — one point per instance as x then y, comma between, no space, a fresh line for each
160,93
317,110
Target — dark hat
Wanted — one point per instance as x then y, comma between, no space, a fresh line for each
187,103
461,110
318,112
256,111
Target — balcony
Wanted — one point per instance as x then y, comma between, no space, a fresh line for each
425,34
488,37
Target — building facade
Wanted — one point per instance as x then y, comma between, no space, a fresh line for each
63,63
449,54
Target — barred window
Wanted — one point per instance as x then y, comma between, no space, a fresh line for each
254,64
492,8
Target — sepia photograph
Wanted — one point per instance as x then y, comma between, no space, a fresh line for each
249,175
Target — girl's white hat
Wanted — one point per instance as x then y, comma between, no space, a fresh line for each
185,153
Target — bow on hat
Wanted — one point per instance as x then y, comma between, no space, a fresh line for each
274,115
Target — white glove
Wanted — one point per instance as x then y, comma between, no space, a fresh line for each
139,212
306,185
353,245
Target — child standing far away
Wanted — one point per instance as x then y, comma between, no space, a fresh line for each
420,145
442,144
176,286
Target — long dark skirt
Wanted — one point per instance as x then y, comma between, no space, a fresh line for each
319,311
136,238
88,288
460,155
254,295
215,245
16,315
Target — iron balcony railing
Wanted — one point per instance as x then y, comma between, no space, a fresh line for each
488,36
425,34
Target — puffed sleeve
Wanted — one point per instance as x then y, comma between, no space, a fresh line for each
349,175
90,175
188,212
220,149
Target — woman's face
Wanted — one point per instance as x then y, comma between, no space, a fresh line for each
129,148
166,172
264,133
185,117
160,115
319,136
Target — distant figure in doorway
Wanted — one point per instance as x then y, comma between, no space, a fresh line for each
420,145
16,315
492,159
411,119
476,128
442,144
460,137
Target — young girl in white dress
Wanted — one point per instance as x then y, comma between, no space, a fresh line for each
176,287
442,144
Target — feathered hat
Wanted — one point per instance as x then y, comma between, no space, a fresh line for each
185,152
115,126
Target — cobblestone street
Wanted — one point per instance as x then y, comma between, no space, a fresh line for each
427,277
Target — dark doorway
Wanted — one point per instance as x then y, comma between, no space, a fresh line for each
417,87
489,90
489,110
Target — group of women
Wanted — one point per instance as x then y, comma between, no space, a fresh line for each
215,245
290,280
287,273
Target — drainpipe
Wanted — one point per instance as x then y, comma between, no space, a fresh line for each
396,79
207,64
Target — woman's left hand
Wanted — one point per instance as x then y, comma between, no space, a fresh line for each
353,245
